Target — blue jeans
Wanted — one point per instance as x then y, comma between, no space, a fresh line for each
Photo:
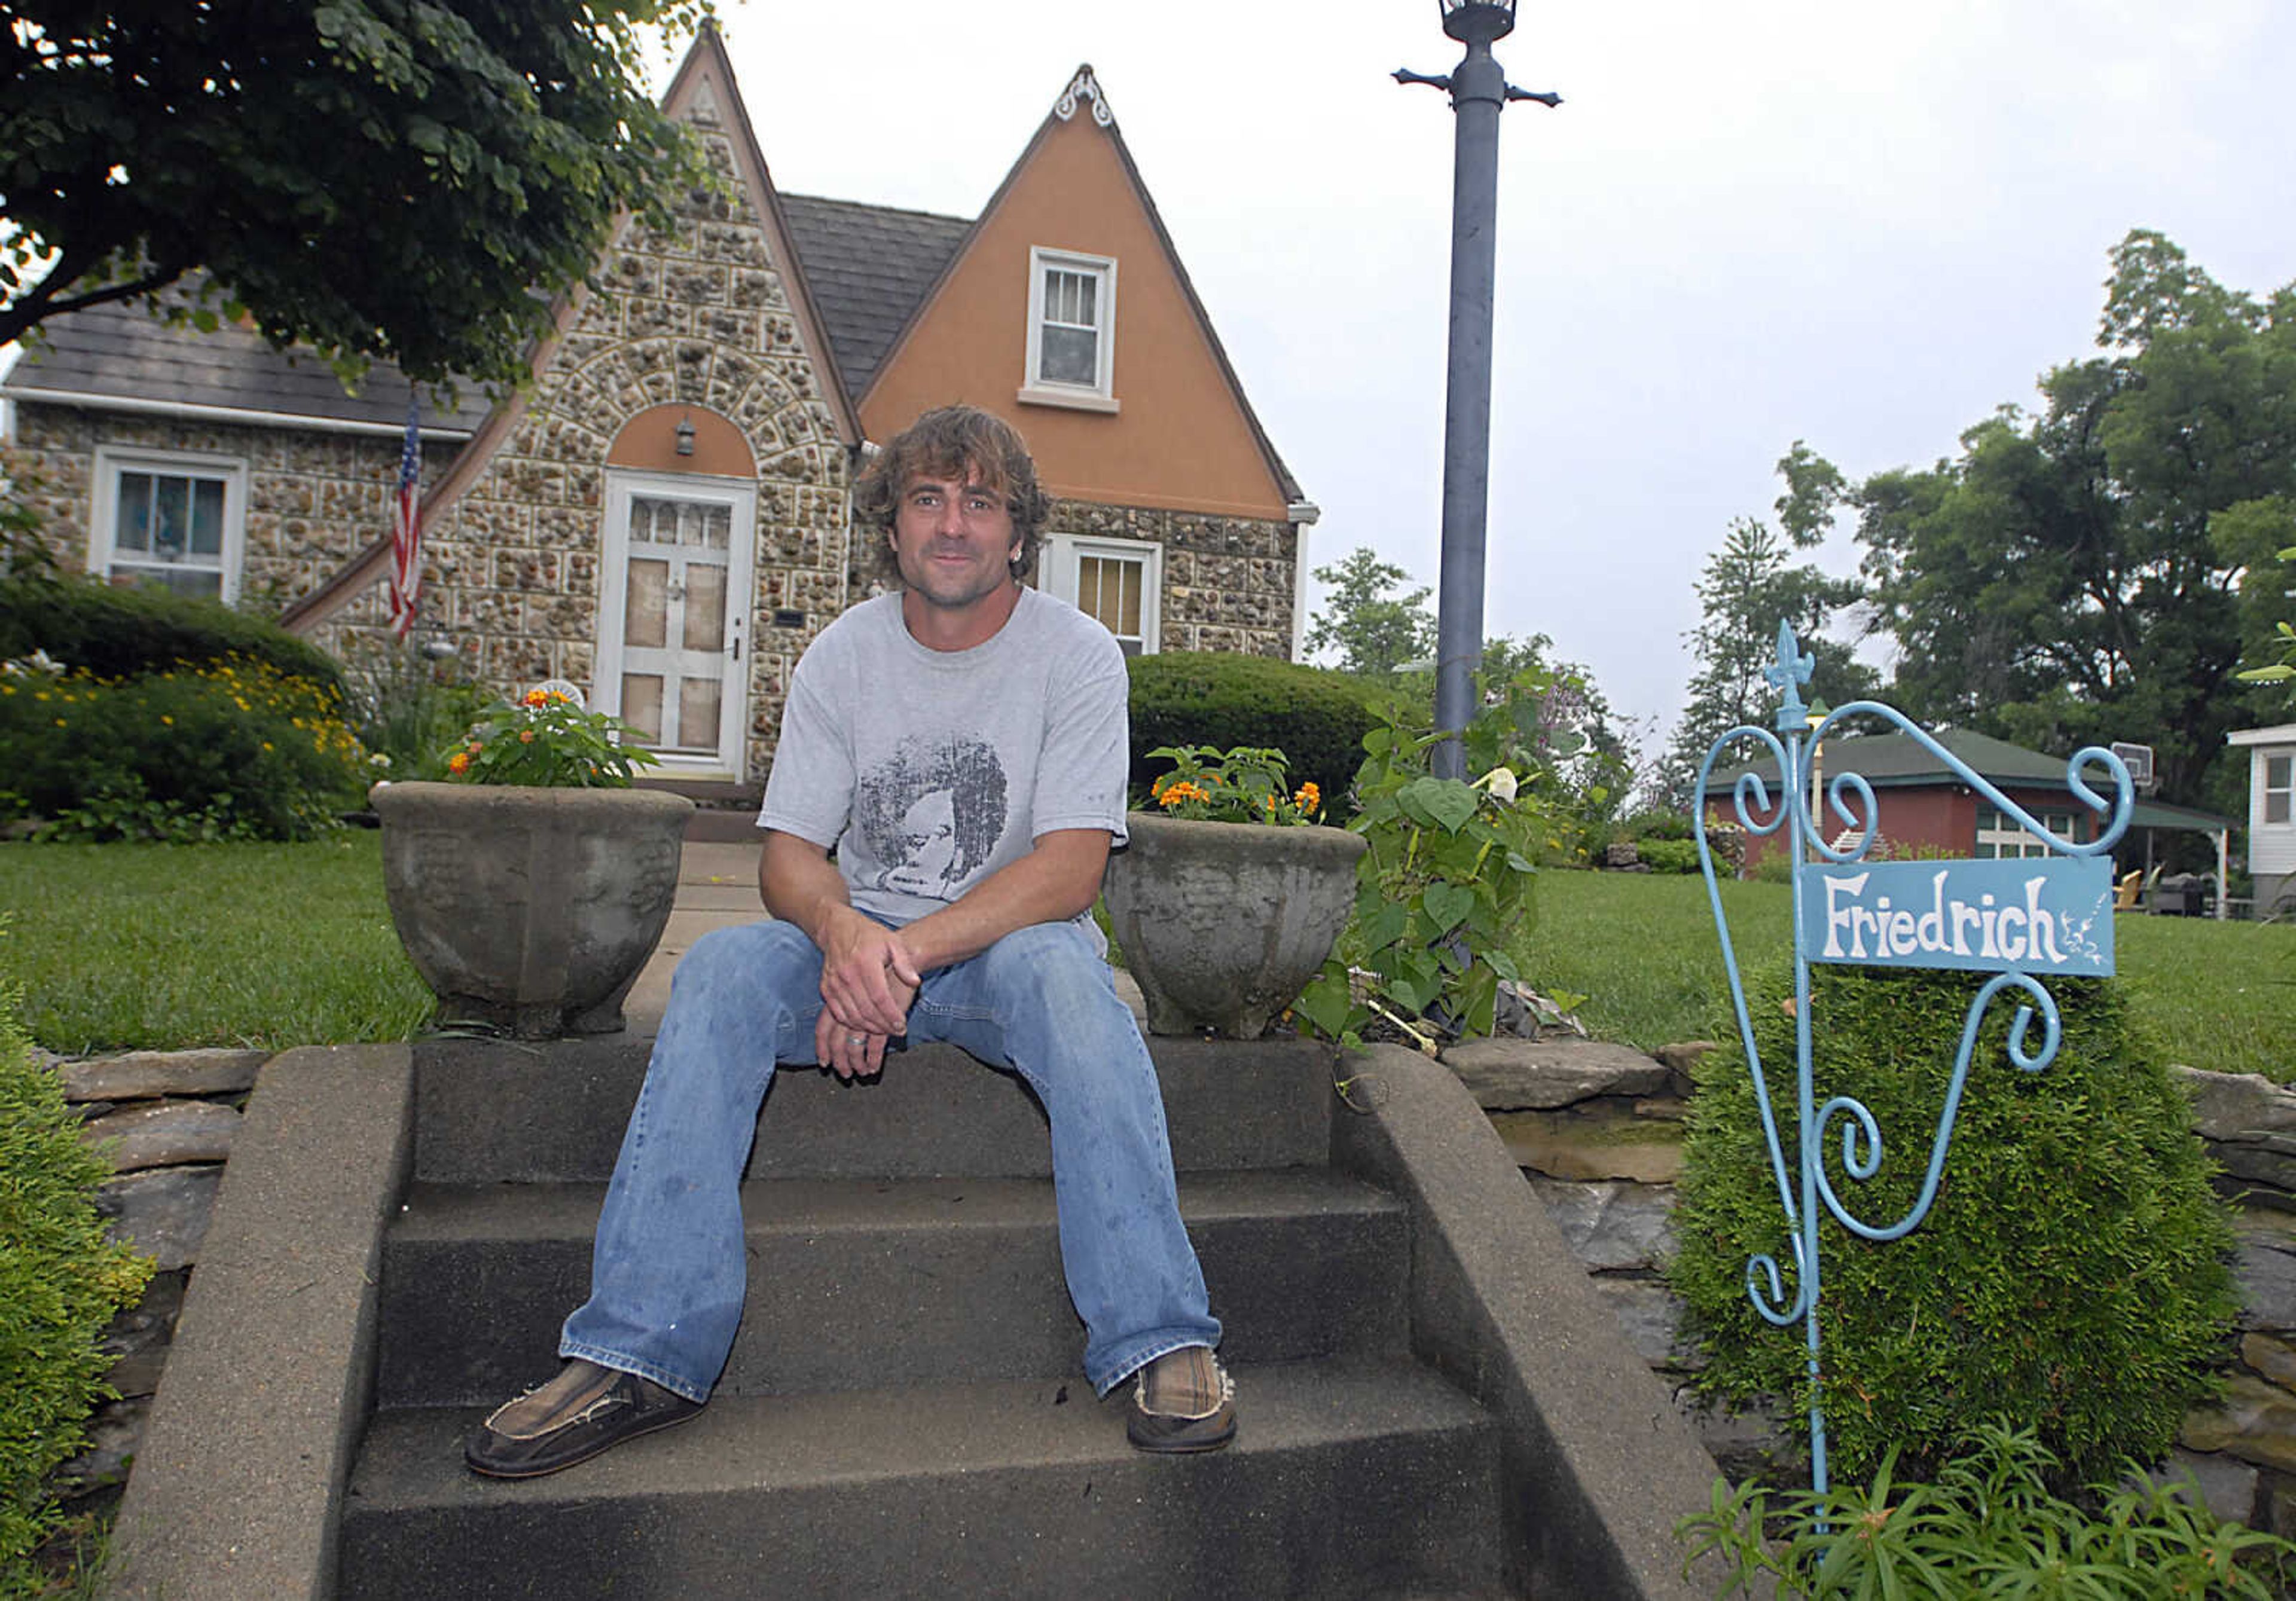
668,1272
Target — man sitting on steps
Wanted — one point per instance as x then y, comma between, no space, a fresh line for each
962,745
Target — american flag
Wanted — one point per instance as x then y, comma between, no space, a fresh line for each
406,528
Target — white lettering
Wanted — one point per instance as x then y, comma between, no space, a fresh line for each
2045,923
1901,934
1932,925
2012,948
1836,915
1991,951
1963,915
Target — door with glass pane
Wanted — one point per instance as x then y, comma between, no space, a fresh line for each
670,661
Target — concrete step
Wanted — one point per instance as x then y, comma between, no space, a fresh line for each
1302,1263
1345,1480
493,1110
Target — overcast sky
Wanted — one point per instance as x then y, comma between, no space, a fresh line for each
1861,225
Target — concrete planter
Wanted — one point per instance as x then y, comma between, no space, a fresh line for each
529,910
1224,923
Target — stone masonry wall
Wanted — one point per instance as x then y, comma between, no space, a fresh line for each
314,498
1597,1132
169,1118
698,313
1227,580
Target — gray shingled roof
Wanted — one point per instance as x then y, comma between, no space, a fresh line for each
867,268
120,351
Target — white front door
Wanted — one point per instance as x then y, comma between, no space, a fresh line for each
673,625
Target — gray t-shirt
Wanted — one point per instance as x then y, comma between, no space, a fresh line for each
929,770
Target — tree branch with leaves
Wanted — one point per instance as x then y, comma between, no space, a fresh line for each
400,180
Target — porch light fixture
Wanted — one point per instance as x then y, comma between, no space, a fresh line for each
686,435
1479,91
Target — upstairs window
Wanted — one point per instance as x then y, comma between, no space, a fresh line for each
1072,358
169,521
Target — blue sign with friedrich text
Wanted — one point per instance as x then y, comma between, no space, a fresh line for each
2041,914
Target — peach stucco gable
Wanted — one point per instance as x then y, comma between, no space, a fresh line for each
1181,439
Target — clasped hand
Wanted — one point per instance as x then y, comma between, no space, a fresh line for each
868,980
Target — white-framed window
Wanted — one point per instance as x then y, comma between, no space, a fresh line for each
2279,788
1119,582
1071,357
170,520
1998,835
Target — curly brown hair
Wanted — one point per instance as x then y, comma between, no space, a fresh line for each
961,442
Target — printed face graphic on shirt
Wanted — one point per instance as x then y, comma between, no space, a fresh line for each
932,814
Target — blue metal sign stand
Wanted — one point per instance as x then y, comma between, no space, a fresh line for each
2019,919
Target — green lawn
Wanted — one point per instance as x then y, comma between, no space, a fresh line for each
119,946
1642,948
159,947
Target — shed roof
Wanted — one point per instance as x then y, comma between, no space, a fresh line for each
120,355
1901,761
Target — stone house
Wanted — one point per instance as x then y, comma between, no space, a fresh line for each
663,516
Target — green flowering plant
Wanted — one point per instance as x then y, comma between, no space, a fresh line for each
1443,895
1246,784
547,740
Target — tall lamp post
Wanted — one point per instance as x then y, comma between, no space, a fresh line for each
1479,91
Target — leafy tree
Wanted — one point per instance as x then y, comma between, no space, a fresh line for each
1374,629
369,178
2255,535
2075,577
1747,588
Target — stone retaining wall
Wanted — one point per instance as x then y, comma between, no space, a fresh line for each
168,1119
1597,1132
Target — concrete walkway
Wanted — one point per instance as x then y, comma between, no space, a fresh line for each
718,888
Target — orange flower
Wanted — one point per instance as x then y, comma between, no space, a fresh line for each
459,763
526,737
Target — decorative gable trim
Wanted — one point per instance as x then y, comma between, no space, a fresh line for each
1082,87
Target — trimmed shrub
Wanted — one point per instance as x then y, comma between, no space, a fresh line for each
2071,1277
1669,856
1316,717
231,750
60,1280
114,631
1657,824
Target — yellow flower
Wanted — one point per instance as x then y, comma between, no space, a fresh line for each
169,721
